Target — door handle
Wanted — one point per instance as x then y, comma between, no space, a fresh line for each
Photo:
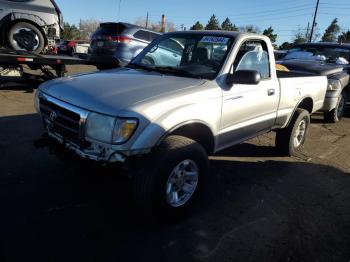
271,92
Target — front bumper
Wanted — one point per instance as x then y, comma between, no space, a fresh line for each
331,101
97,152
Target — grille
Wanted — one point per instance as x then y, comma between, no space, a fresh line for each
60,120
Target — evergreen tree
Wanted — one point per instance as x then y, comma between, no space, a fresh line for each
286,46
331,33
213,24
227,25
70,32
269,33
197,26
344,37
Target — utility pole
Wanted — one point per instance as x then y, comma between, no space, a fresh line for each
147,20
163,24
307,31
314,22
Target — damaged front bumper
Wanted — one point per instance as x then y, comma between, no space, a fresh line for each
92,150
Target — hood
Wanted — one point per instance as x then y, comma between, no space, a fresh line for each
110,91
313,67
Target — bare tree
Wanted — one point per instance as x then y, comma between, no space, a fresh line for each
88,27
155,26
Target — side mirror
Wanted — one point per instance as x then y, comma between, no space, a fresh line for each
244,77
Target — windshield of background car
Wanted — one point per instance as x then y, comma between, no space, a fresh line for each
328,54
197,55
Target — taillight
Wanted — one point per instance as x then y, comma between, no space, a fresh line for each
119,39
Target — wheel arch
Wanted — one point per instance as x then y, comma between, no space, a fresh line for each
196,130
10,20
306,103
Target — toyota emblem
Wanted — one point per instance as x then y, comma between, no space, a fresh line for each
53,116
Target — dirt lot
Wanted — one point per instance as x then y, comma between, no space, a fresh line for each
257,206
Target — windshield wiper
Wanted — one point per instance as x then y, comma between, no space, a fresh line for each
138,66
176,71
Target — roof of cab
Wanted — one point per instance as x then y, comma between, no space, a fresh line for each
217,33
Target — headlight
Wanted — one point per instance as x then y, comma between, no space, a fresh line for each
333,85
109,129
37,100
100,127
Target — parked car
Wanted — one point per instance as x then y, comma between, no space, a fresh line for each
328,59
73,47
279,54
115,44
162,120
30,25
66,47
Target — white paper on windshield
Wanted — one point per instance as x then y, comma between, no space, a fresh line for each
214,40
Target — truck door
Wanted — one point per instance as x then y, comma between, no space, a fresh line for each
249,109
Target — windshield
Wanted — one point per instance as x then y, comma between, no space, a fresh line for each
190,55
328,54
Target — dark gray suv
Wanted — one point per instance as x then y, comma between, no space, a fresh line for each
115,44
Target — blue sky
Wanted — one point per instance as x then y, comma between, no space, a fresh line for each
285,16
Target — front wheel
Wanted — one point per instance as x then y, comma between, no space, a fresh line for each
170,185
337,113
291,139
24,36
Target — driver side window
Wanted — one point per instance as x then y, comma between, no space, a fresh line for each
253,55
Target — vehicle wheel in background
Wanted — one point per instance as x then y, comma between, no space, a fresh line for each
337,113
170,185
26,37
291,139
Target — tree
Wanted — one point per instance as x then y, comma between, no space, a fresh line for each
331,33
286,46
228,26
213,24
70,32
155,26
250,29
197,26
344,37
299,36
88,27
269,33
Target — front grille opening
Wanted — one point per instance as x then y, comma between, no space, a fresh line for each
61,121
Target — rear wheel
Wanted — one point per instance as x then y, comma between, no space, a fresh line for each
170,185
291,139
337,113
25,37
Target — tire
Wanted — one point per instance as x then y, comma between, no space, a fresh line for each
337,113
152,182
287,140
25,37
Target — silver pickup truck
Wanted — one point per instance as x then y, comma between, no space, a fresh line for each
163,116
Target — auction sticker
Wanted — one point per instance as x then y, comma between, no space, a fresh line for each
214,40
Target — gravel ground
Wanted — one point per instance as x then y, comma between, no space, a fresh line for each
257,206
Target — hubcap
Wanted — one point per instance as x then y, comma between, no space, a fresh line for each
25,39
341,107
182,183
300,133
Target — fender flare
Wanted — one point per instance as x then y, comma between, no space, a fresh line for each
296,107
